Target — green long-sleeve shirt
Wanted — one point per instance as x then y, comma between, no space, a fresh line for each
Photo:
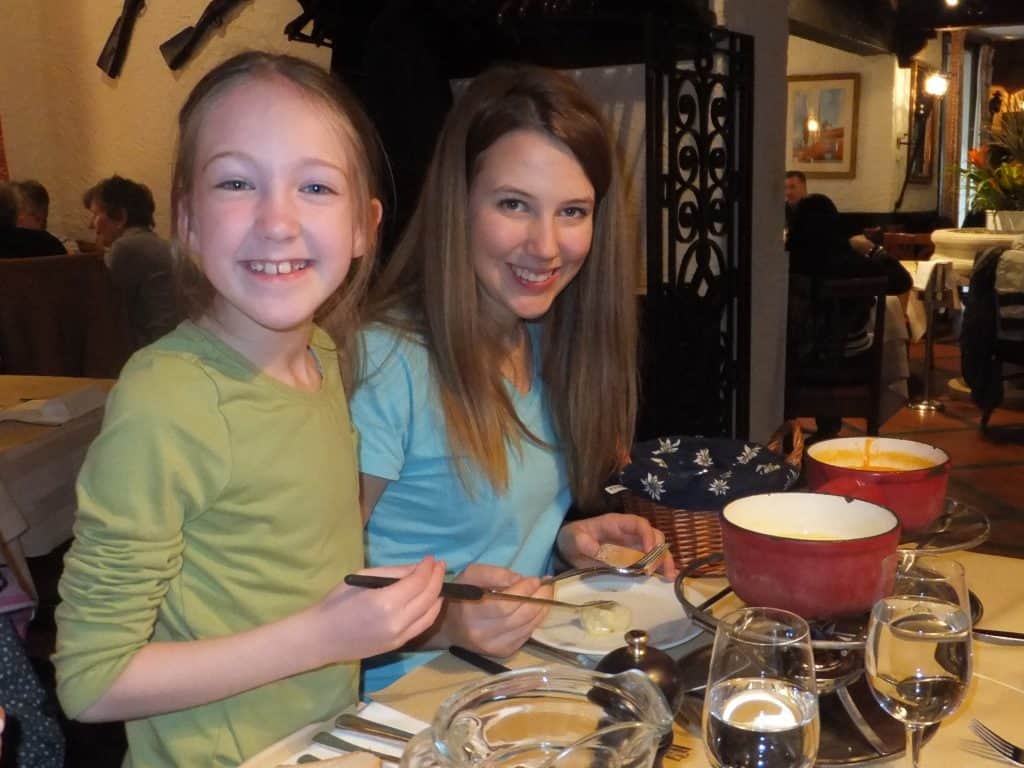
215,499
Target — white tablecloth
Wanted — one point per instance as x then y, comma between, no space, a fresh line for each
995,696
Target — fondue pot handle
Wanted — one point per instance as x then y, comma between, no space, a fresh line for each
777,442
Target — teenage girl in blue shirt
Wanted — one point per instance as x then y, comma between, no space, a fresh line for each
499,359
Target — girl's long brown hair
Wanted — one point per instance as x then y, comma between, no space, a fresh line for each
340,312
429,290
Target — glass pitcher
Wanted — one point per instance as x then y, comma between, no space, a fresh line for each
539,717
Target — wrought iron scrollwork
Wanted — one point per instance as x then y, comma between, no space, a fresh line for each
696,310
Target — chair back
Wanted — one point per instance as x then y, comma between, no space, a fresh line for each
904,246
60,316
829,319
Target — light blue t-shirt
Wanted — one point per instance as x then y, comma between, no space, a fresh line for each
425,509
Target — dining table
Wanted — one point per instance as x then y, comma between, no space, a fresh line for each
995,695
39,464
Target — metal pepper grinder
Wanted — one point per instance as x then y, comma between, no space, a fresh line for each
653,662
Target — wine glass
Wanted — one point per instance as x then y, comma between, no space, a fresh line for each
918,655
761,705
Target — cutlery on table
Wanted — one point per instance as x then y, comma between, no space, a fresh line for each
351,722
307,758
455,591
639,568
566,657
998,635
478,661
329,740
1006,750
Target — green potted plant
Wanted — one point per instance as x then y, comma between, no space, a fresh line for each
995,174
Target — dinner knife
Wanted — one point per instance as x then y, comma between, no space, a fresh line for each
329,740
999,636
478,661
348,721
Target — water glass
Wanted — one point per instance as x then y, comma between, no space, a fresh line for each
918,654
761,706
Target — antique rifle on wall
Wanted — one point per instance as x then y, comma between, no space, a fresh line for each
179,49
112,56
325,15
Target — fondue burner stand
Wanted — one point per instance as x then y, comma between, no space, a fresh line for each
854,728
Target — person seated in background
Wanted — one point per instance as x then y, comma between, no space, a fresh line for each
138,259
795,191
34,210
819,250
18,242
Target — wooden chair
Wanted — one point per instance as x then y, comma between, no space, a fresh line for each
821,380
904,246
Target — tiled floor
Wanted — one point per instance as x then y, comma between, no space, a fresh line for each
988,473
988,468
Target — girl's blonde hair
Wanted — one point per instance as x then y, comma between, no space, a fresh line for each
429,288
339,314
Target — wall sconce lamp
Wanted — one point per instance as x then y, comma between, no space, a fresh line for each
930,91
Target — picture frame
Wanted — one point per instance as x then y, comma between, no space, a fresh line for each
821,124
922,162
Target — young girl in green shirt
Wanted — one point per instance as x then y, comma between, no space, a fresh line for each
218,508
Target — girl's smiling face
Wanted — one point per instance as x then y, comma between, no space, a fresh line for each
270,215
531,221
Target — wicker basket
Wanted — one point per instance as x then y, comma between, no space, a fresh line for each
693,534
689,534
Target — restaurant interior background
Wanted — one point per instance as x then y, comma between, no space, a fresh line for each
66,124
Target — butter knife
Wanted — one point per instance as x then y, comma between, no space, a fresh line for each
329,740
350,722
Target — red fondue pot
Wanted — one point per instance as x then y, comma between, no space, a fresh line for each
817,555
914,492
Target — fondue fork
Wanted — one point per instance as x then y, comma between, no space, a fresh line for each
454,591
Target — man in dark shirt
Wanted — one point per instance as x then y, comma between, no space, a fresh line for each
18,242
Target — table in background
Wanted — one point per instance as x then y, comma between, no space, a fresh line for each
39,465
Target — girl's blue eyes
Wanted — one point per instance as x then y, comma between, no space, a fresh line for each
238,185
318,189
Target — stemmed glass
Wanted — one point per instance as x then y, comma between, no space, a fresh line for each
761,706
918,655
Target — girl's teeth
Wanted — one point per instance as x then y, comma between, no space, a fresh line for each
277,267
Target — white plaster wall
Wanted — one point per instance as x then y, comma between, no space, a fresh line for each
69,125
882,118
767,21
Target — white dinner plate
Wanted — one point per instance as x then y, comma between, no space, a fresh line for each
651,602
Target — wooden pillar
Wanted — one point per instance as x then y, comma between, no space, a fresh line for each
953,109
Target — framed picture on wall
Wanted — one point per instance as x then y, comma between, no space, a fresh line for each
923,160
821,125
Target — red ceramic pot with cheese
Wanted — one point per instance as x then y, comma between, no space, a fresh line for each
818,555
908,477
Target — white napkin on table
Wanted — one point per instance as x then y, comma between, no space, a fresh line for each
379,713
925,269
57,410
